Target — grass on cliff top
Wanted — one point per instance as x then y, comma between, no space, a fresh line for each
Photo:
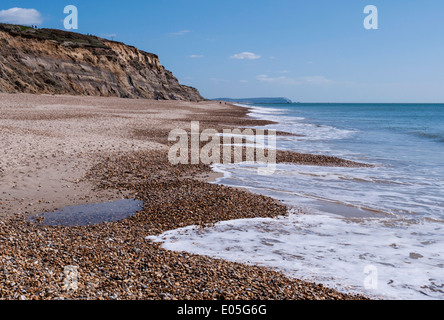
60,36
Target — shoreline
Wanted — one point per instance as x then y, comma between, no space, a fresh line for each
76,150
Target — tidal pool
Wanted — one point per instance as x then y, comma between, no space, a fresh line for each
91,214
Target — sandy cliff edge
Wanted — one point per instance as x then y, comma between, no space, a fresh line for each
49,61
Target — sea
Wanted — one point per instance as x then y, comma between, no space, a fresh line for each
377,231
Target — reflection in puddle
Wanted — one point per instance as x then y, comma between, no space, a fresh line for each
90,214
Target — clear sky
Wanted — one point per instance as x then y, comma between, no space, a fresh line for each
308,51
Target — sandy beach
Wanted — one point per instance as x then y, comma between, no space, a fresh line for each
60,151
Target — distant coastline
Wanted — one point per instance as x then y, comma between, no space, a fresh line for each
266,100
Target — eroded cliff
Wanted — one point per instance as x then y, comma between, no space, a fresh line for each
48,61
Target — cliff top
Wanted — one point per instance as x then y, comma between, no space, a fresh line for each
67,38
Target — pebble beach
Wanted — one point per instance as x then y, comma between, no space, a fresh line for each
60,151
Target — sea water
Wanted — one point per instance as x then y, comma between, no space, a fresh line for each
377,231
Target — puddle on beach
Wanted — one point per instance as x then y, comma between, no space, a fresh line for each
91,214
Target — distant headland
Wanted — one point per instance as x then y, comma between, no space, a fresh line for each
279,100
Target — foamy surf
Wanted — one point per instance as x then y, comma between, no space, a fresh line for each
377,231
406,258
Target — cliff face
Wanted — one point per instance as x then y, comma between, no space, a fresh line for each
47,61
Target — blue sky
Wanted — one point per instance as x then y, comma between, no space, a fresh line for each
308,51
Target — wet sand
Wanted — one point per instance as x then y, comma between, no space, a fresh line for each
60,151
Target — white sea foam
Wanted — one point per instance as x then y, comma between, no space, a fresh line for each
407,257
298,125
381,188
